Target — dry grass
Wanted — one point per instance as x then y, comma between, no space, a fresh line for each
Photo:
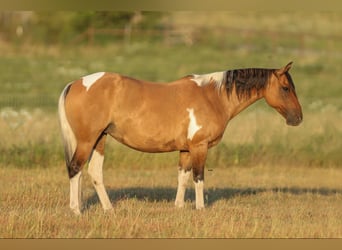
261,202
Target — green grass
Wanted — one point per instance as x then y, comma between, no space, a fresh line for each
33,76
255,137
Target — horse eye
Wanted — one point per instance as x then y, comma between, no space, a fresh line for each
286,89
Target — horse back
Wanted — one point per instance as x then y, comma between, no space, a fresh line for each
151,117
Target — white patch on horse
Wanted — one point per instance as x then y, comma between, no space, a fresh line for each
183,177
76,193
193,126
217,78
95,171
199,194
89,80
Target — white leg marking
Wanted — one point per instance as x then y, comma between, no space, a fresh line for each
89,80
193,126
199,194
95,171
183,177
76,193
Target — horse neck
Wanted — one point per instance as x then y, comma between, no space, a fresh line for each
234,104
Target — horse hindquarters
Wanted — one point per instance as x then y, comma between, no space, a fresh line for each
78,150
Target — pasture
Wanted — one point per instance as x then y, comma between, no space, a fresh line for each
264,180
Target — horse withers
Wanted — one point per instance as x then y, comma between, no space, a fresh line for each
188,115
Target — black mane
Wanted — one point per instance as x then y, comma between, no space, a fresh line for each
247,80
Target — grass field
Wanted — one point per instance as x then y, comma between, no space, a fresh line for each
264,180
265,201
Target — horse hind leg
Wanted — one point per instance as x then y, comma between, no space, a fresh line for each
96,173
75,166
76,193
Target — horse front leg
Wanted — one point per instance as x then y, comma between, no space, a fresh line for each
198,157
183,177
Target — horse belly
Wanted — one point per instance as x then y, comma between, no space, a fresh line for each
147,140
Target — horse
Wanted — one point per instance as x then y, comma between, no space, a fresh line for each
188,115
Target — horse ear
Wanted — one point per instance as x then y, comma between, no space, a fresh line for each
283,70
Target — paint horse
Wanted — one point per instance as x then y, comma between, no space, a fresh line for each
188,115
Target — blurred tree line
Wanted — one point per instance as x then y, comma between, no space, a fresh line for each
63,27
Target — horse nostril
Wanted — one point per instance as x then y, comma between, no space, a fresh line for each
300,118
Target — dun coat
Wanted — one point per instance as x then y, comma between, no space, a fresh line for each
188,115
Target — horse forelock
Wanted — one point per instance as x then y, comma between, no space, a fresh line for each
247,80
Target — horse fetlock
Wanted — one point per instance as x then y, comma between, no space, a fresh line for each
200,207
76,211
108,209
179,203
106,204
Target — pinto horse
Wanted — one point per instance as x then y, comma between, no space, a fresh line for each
188,115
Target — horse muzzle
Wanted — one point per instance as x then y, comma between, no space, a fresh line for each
294,120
